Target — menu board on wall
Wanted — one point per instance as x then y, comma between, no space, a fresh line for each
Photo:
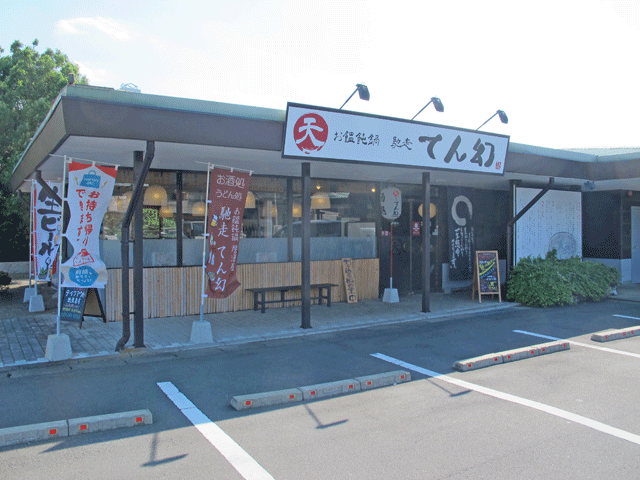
462,241
555,221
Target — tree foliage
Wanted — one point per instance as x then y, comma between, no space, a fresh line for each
29,83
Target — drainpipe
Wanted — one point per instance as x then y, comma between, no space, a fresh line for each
136,198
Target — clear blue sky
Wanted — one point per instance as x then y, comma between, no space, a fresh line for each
565,72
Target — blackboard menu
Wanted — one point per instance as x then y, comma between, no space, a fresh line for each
73,301
486,279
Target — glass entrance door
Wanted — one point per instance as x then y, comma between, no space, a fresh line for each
407,245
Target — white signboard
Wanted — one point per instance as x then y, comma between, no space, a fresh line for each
89,193
325,134
391,203
555,221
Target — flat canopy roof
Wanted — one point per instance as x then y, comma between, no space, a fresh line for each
106,125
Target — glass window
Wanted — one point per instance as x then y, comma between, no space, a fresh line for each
159,215
342,219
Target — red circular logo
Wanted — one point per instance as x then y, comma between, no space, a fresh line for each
310,132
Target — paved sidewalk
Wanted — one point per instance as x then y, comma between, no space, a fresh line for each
23,339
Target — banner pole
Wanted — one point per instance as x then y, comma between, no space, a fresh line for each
391,258
31,232
204,242
62,237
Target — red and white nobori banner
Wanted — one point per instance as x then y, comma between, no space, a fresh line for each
46,241
89,193
227,195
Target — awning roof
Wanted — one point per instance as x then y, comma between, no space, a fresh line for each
107,125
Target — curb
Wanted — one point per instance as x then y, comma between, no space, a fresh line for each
613,334
76,426
80,358
310,392
511,355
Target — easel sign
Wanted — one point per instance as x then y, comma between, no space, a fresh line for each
486,275
80,302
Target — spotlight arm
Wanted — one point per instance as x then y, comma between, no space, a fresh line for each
362,90
486,121
354,92
437,104
430,101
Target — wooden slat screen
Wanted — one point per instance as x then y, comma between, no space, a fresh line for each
176,292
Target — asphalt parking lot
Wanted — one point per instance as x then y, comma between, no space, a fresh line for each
569,414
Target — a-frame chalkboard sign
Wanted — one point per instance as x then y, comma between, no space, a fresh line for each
80,302
486,275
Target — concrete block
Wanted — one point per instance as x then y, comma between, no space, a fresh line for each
607,335
478,362
242,402
109,421
383,379
552,347
519,354
330,389
36,303
33,433
390,295
58,347
201,332
28,293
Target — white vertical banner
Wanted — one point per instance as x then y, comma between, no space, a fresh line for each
47,216
89,193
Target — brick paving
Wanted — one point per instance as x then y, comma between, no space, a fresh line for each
23,339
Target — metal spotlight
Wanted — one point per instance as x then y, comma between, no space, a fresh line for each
501,114
363,92
437,104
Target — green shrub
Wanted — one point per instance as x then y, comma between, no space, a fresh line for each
545,282
5,279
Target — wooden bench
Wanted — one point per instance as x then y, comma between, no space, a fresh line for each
261,292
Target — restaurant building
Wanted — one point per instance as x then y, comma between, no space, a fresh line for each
309,208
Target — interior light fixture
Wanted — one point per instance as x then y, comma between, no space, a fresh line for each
265,211
296,210
251,200
167,211
198,209
320,200
155,195
432,210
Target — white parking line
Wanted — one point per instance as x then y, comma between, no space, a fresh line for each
624,316
602,349
234,453
587,422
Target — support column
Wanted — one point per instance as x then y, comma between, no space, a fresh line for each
306,245
289,219
426,242
179,219
138,251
